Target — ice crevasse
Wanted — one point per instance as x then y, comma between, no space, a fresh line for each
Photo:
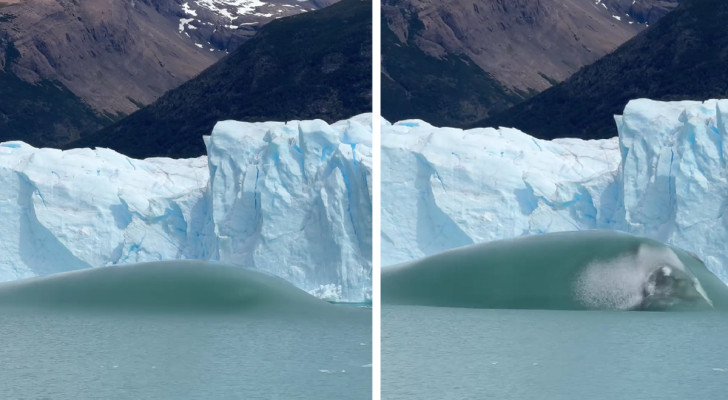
291,199
664,177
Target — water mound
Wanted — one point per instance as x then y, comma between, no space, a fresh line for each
176,286
565,271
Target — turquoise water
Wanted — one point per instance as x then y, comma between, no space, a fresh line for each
546,317
460,353
193,332
583,270
179,287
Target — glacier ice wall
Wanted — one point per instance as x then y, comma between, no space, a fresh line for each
664,177
675,175
295,200
445,188
292,199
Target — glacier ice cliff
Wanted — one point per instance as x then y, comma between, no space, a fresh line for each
665,177
292,199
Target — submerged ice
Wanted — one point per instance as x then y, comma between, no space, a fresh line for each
292,199
664,177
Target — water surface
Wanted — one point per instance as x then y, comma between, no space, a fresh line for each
461,353
186,333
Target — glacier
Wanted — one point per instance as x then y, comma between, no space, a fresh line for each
292,199
664,177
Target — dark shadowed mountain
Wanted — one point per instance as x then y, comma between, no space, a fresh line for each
453,63
682,57
312,65
65,115
444,91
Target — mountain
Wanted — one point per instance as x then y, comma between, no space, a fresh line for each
682,57
457,62
65,115
448,91
312,65
105,59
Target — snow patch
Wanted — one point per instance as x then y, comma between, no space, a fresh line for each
223,7
184,22
188,11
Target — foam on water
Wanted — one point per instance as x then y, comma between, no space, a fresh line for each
623,283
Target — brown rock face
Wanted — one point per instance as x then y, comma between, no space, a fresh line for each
527,45
120,55
456,62
115,55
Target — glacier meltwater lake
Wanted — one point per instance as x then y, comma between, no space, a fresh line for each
178,331
570,315
461,353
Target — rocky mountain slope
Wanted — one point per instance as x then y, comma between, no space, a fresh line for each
519,47
292,69
682,57
113,56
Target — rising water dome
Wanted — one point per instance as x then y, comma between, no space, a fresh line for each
181,286
565,271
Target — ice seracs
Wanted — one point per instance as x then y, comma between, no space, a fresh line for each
675,175
664,177
444,187
292,199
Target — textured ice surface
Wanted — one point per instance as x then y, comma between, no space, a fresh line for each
292,199
665,177
445,188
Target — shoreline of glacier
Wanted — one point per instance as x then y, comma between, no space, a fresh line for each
664,177
289,198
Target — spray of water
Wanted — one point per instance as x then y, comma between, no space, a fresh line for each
650,278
